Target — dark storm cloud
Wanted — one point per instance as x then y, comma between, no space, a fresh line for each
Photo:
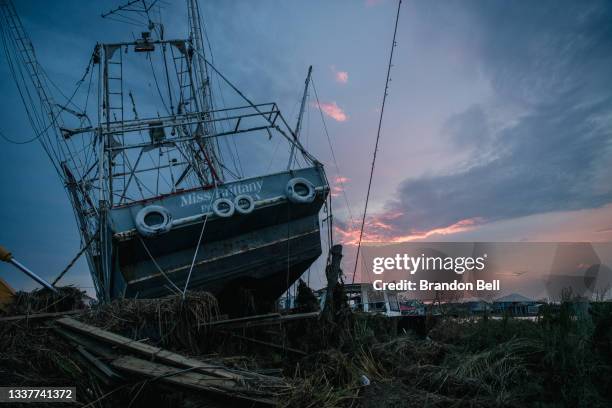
554,62
467,129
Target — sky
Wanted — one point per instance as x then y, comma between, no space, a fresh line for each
497,125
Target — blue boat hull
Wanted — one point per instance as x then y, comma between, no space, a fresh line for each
264,252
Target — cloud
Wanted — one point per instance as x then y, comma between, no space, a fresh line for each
554,64
338,185
382,228
467,129
340,76
333,111
341,179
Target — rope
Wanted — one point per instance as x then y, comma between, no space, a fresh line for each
213,198
195,255
382,111
158,267
77,256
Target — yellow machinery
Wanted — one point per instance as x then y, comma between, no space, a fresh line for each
6,256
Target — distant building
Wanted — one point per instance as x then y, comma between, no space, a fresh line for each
476,305
413,307
364,298
515,305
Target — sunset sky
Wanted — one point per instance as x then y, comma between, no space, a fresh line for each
498,124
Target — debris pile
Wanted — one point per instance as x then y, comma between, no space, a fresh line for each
172,321
43,300
181,352
113,355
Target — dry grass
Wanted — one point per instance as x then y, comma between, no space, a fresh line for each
45,301
171,321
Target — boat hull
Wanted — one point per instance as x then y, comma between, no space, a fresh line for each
264,251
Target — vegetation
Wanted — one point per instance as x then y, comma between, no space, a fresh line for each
561,359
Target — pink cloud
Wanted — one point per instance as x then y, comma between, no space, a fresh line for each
341,179
380,228
338,185
340,76
333,111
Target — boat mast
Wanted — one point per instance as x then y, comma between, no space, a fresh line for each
298,126
203,82
48,123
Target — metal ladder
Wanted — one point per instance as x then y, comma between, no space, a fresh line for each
115,109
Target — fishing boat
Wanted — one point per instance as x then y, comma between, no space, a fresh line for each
163,179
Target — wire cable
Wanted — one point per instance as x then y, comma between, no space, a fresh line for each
331,148
380,119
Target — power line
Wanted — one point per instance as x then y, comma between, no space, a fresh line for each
382,111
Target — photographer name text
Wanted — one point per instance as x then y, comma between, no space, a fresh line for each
425,285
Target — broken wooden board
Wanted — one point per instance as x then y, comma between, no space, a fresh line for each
156,353
258,321
188,379
242,320
100,349
272,345
101,367
38,316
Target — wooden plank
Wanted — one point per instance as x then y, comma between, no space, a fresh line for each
139,366
262,320
280,320
102,367
300,316
156,353
188,379
96,347
272,345
241,320
35,316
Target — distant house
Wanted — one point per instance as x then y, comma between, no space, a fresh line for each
475,305
515,305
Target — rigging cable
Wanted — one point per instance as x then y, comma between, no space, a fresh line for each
212,58
76,257
382,111
331,148
54,115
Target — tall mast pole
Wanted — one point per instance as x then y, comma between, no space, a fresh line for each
203,89
195,34
298,126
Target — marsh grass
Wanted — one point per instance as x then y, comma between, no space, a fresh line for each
561,359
